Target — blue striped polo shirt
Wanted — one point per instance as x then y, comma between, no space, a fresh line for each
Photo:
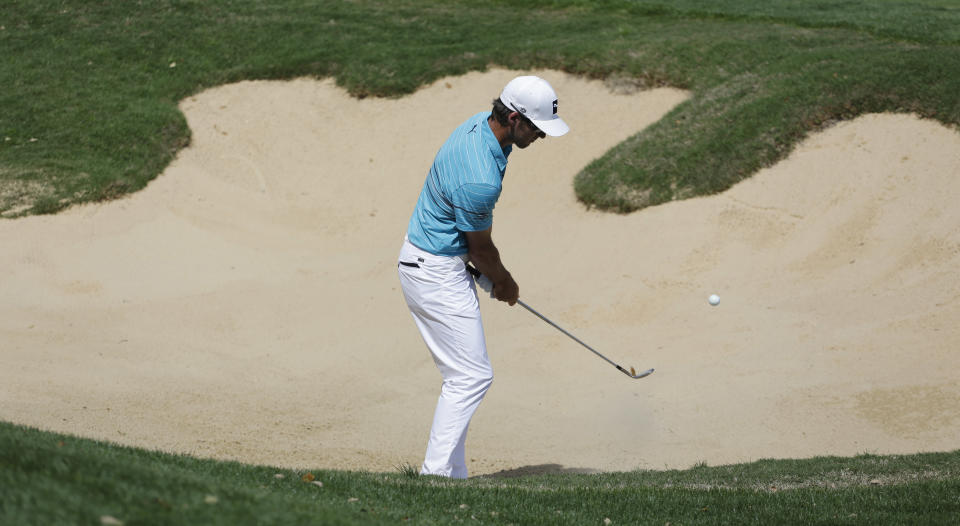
461,189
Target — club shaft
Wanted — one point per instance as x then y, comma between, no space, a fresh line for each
561,329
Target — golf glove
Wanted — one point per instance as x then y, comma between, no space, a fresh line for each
485,284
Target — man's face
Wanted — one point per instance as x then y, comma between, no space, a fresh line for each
523,132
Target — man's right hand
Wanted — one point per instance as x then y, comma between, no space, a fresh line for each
507,290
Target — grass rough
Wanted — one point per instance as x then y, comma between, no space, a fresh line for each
55,478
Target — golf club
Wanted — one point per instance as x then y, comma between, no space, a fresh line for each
630,373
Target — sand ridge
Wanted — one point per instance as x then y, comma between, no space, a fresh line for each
245,305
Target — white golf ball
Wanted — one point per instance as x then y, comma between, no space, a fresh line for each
714,299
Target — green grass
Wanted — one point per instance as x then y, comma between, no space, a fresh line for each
47,478
88,110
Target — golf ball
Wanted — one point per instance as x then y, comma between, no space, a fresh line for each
714,299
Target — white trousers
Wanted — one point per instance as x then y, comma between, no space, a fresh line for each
442,298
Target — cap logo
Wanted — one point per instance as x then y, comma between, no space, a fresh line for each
554,107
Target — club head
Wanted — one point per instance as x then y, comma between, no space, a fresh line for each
636,376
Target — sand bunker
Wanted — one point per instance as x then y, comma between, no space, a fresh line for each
245,305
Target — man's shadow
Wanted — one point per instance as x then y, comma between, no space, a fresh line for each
539,469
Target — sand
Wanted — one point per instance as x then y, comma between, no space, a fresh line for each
245,305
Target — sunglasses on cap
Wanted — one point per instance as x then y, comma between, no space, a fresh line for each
530,124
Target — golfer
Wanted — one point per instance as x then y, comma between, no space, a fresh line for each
451,227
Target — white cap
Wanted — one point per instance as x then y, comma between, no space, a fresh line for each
535,99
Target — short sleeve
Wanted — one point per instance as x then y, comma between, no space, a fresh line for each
473,206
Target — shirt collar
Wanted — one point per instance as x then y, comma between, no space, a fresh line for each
500,154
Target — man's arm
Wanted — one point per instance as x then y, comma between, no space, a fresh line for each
485,256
